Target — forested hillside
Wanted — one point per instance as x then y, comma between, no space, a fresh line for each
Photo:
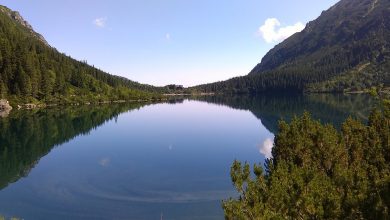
346,48
31,70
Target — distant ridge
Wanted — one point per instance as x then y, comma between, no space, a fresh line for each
346,48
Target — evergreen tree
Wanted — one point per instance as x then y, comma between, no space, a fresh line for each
317,172
30,70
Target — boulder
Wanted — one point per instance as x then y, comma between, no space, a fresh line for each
5,108
4,105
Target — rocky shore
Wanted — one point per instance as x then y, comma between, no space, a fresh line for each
5,108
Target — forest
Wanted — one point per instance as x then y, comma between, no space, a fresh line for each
32,71
345,49
318,172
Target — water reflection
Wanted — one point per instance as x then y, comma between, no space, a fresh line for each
26,136
329,108
271,108
266,148
169,157
163,158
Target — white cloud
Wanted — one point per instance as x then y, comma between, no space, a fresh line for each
100,22
168,36
272,32
104,162
266,148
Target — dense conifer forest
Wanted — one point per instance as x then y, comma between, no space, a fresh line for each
318,172
32,71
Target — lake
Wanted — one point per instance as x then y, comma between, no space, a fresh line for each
145,161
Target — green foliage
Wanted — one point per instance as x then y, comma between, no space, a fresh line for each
365,77
373,92
330,55
31,70
317,172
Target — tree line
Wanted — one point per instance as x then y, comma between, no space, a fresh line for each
32,71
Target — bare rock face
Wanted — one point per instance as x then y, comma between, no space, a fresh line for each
358,26
4,105
18,18
5,108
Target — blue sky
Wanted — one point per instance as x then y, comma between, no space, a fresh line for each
159,42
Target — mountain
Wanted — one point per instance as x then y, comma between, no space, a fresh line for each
19,19
33,71
346,48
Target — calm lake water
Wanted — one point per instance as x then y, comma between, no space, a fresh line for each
144,161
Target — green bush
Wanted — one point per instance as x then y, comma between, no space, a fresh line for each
317,172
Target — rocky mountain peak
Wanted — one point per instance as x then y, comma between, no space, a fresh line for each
19,19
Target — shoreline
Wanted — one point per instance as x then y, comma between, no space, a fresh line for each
6,110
